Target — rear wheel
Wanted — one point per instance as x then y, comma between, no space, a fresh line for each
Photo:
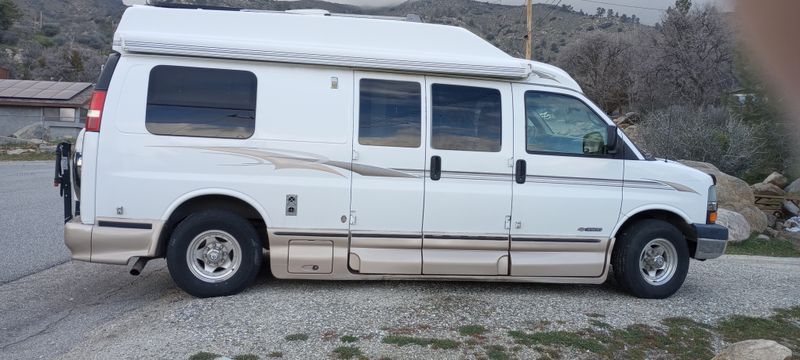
214,253
651,259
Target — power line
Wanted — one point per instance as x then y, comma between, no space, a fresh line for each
623,5
551,11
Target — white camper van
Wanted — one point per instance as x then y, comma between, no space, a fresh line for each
354,148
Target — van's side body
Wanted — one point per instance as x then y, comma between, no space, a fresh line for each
354,161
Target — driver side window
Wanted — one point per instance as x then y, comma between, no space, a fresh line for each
563,124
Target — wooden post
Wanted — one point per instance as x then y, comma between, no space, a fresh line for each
529,40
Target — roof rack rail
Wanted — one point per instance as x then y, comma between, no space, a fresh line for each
173,5
409,17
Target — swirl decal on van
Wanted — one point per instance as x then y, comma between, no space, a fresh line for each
282,159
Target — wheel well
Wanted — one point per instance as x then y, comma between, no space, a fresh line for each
668,216
211,202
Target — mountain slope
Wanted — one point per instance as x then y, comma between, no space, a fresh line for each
68,40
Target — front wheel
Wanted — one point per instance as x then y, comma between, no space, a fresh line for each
651,259
214,253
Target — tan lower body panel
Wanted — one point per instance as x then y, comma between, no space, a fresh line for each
463,256
344,264
371,254
115,243
558,257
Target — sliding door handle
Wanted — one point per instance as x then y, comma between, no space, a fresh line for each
436,168
521,172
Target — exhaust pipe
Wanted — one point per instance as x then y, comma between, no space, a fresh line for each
138,266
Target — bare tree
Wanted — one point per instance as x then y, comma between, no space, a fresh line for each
689,60
601,63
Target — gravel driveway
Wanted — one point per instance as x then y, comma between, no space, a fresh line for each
79,311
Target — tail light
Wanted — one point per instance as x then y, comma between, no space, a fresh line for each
95,115
711,209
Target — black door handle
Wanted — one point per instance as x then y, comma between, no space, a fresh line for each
521,173
436,168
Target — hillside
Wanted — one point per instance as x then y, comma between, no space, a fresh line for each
68,40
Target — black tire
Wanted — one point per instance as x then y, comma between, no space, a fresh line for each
629,248
241,231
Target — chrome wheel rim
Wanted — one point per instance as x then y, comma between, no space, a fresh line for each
214,256
658,261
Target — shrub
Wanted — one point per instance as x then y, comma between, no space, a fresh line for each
709,134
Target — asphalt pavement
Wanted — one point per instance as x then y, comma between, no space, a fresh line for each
31,220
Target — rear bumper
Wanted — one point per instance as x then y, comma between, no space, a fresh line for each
712,239
113,241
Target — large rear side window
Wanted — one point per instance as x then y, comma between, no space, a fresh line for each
201,102
466,118
390,113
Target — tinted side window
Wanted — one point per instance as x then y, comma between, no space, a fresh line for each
466,118
184,101
390,113
563,124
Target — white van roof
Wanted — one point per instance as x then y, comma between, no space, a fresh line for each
314,38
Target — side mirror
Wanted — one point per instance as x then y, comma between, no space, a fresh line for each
611,145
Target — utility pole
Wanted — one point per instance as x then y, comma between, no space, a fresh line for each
529,37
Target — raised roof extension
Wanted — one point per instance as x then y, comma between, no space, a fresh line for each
313,38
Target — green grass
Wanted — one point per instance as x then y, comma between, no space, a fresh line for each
275,354
677,338
347,352
771,247
348,339
599,324
297,337
496,352
783,327
246,357
471,330
557,338
28,156
401,340
203,356
682,339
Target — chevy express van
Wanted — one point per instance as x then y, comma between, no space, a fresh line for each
354,148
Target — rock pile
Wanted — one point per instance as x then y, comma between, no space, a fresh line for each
738,210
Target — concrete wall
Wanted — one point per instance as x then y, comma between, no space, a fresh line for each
15,118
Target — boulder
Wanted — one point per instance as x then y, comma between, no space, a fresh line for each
628,119
791,208
33,131
755,350
767,189
633,134
17,151
47,148
734,194
793,188
772,233
738,227
771,218
776,179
